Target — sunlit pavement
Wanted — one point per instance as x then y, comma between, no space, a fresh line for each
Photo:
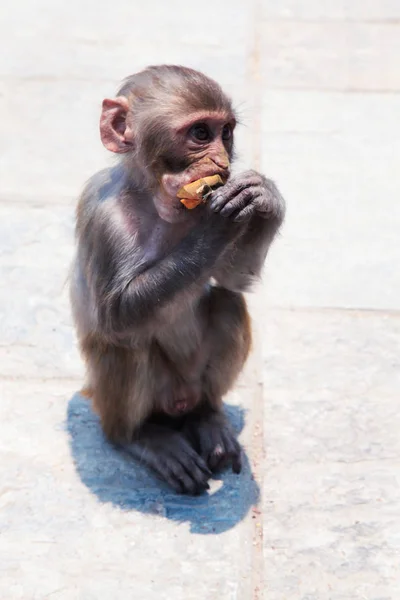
315,515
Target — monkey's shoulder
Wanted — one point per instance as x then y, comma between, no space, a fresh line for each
101,201
104,187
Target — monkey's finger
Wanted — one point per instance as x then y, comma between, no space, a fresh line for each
222,462
224,195
199,483
245,214
218,202
197,471
237,203
217,458
237,462
164,472
193,485
199,462
234,451
174,483
182,480
223,198
230,190
186,484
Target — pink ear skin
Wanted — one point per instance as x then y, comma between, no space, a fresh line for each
115,133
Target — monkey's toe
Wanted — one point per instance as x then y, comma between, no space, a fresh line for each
225,453
187,473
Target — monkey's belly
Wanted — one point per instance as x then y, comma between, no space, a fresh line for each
178,358
176,378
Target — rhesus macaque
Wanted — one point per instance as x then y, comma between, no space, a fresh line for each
157,288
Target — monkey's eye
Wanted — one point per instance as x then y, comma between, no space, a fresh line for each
200,132
227,132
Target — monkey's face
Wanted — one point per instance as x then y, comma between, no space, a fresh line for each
200,146
170,149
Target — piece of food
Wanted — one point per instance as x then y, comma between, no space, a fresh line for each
190,203
192,194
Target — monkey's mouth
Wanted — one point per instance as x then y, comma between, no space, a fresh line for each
172,183
193,194
202,174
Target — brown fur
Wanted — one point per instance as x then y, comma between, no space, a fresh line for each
163,344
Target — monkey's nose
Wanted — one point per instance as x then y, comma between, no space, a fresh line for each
221,161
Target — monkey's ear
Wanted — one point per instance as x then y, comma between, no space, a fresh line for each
115,132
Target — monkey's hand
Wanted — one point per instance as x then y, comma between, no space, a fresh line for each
172,458
246,195
215,441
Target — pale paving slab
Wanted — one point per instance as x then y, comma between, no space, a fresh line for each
332,480
331,378
58,68
81,521
36,246
335,157
65,533
331,55
323,10
47,40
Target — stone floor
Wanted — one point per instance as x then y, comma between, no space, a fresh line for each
316,513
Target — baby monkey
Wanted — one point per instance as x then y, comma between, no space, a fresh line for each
159,272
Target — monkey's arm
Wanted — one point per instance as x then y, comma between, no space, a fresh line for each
132,292
252,199
240,268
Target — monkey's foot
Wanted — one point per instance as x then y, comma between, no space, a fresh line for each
215,441
172,458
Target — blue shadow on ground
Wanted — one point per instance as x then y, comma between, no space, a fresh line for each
114,477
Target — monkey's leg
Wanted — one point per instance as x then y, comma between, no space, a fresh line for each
111,376
208,428
122,396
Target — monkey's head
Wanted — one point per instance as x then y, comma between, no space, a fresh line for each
174,125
